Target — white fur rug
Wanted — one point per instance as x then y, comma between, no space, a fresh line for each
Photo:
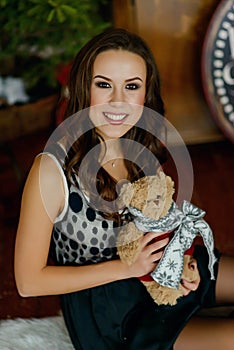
34,334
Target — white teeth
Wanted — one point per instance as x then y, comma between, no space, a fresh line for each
115,116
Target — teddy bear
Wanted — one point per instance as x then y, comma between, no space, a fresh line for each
152,196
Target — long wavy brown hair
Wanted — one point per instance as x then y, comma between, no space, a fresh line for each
100,184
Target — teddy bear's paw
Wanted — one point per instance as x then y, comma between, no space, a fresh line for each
128,243
128,253
128,234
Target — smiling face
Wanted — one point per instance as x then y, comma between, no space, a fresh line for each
117,94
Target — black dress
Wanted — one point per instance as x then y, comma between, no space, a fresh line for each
122,315
118,315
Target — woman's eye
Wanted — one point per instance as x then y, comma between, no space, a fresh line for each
132,86
102,84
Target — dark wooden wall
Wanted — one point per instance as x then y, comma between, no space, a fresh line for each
175,32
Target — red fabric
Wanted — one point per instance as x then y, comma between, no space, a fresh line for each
62,76
190,251
146,278
63,73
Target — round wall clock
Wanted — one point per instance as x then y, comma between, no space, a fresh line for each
218,67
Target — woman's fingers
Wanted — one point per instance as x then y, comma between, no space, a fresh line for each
157,256
154,249
193,264
149,237
189,286
156,246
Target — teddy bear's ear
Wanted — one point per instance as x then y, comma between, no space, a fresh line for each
126,193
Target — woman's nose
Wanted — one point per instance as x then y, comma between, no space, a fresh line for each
117,95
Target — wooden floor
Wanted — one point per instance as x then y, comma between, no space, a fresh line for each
213,191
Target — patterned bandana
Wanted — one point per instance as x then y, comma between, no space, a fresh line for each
186,223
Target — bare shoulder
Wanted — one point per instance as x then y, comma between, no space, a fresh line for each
45,184
46,169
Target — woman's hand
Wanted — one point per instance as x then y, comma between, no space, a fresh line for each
151,251
191,286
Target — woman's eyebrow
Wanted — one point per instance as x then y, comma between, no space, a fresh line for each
135,78
102,77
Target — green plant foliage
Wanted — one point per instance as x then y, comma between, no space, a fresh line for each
50,30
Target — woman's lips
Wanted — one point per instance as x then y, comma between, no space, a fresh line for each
115,118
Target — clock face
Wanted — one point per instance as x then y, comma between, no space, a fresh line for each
218,67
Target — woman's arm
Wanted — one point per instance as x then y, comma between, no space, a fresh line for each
42,201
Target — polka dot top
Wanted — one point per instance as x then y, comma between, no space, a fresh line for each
81,235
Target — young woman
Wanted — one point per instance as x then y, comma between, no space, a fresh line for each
66,214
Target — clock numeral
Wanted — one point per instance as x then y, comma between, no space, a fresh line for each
227,73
